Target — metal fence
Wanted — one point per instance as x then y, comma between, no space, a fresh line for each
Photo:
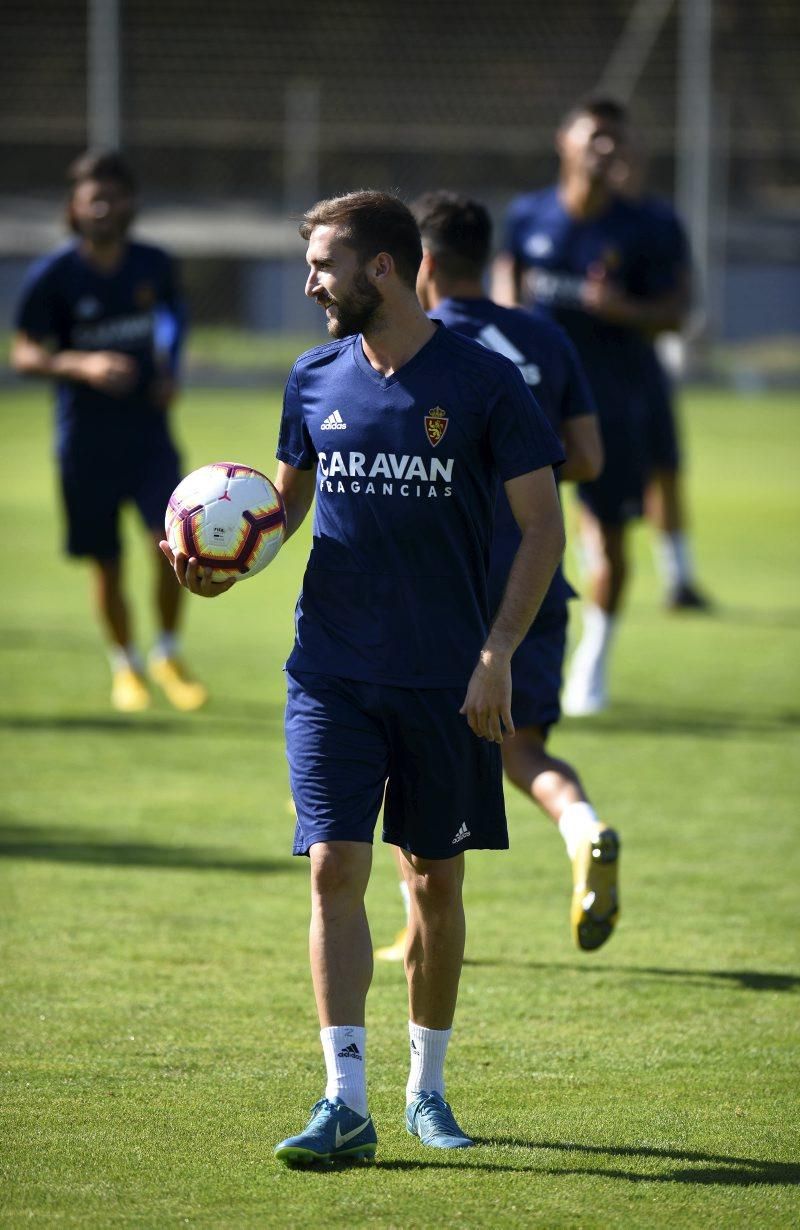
235,114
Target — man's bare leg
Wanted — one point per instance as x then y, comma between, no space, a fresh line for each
593,847
604,544
433,960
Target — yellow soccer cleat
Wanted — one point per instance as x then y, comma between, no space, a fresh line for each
395,951
180,690
595,899
129,692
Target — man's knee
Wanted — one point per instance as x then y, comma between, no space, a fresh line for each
340,868
435,884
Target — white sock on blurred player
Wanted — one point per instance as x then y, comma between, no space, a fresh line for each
676,559
125,657
406,895
428,1052
577,822
344,1048
585,689
166,646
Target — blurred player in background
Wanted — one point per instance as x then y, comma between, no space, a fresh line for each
103,318
397,684
456,242
664,500
595,262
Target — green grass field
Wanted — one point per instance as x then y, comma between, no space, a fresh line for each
159,1031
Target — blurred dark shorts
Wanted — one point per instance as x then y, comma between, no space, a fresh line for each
537,670
95,487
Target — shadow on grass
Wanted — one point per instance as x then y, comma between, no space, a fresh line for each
747,979
252,718
698,1168
80,723
788,617
626,717
71,846
713,1167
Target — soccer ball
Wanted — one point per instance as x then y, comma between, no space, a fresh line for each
229,517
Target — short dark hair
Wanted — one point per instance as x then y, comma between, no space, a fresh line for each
600,108
371,222
457,230
101,165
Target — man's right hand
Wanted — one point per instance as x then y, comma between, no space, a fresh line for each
194,578
108,371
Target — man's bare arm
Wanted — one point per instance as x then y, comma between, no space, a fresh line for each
602,297
583,447
297,489
506,280
106,370
534,501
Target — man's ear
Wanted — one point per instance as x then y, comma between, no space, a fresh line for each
428,263
382,266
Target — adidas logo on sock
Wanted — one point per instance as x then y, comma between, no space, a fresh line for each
414,1046
334,422
349,1052
461,835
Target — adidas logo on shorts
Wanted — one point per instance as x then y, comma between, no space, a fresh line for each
462,834
334,422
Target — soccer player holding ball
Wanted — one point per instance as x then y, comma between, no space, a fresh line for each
397,683
102,317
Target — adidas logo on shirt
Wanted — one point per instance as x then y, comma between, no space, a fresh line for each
461,835
334,422
350,1052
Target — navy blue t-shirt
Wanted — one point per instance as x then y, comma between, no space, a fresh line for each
134,310
408,466
550,367
556,253
669,264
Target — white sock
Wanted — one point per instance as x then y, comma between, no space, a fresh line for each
406,895
166,646
578,821
589,659
676,559
344,1048
125,657
428,1051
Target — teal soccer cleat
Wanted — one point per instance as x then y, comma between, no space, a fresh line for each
333,1133
431,1118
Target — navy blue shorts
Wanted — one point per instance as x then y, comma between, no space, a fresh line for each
94,488
350,743
536,673
617,495
663,446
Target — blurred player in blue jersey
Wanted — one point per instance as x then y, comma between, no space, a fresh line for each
103,318
456,241
398,685
664,502
586,256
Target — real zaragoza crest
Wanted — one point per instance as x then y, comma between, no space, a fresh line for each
436,421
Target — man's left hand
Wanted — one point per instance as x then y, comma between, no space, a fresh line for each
487,705
603,298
